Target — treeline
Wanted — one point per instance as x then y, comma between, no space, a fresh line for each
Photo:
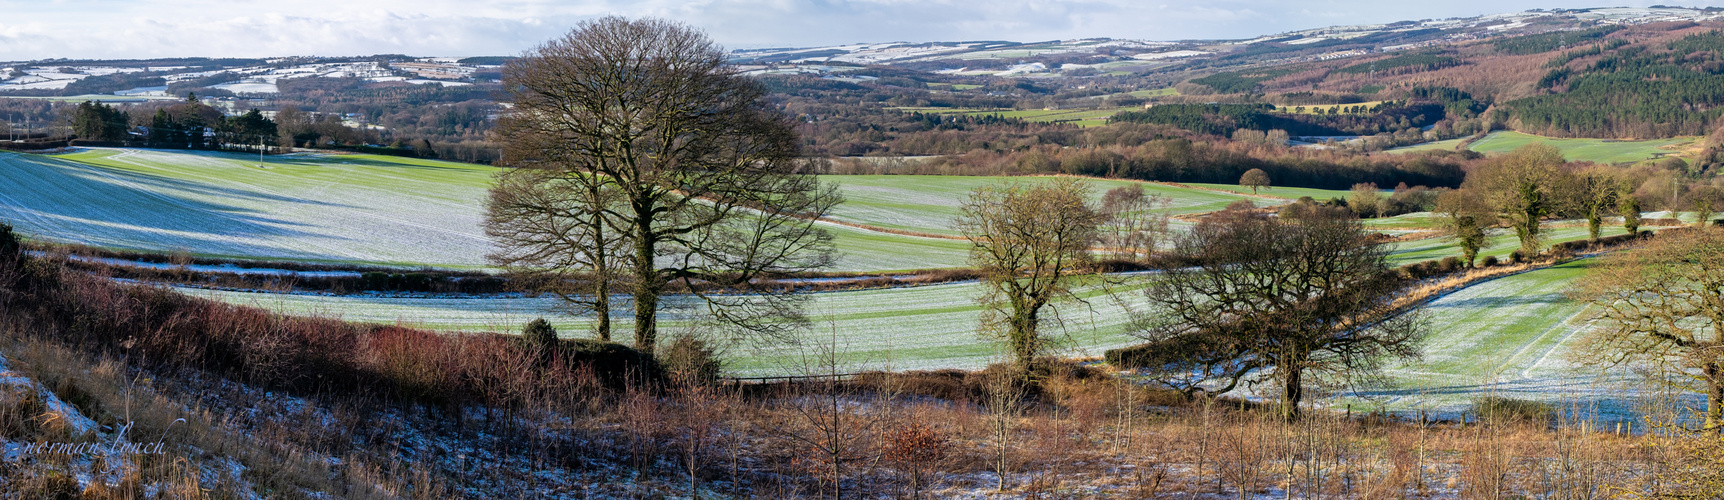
1228,82
1224,119
1402,64
1595,49
1546,42
1187,160
193,125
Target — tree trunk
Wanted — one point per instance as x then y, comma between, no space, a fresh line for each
602,281
647,285
1593,223
1714,397
1292,390
602,306
1024,321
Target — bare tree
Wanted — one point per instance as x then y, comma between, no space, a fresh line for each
1660,306
1296,302
1133,222
1521,188
552,234
707,188
1027,241
1255,178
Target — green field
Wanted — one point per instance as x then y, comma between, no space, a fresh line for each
1444,145
321,208
1415,220
1502,242
342,209
1508,337
928,203
925,327
864,250
1593,150
1290,193
1145,94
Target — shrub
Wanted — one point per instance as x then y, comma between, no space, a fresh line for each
1517,256
539,333
1450,264
690,360
418,362
614,365
8,242
1501,410
1490,260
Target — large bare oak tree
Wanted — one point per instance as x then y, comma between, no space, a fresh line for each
1289,302
659,147
1662,305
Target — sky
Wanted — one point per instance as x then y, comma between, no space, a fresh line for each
116,29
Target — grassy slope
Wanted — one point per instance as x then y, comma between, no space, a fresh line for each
323,208
1415,220
907,328
1290,193
1593,150
1504,326
1502,242
1509,337
928,203
358,208
1444,145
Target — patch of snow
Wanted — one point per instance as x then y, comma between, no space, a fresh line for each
76,421
1020,69
437,82
249,87
1169,55
145,91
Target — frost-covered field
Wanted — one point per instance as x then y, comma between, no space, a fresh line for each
1510,337
925,327
337,208
928,203
324,208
